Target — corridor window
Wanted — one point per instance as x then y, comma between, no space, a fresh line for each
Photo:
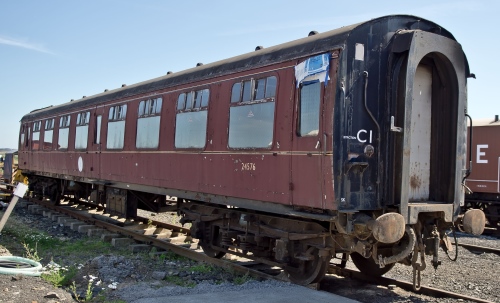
310,100
48,134
35,144
82,130
62,141
191,119
148,123
251,115
116,127
22,135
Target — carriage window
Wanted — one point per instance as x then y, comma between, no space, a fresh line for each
148,123
82,130
251,115
310,97
191,119
97,134
62,142
21,135
48,134
116,127
35,143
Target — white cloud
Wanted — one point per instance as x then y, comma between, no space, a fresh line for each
24,44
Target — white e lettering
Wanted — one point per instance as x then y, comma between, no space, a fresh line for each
481,153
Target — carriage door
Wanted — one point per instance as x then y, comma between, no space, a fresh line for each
95,141
308,143
421,117
428,126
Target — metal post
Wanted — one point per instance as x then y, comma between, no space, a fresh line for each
18,193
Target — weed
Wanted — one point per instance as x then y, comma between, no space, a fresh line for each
179,281
32,253
239,280
162,258
201,268
57,275
30,237
88,292
171,256
102,299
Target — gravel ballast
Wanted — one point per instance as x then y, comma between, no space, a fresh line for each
131,277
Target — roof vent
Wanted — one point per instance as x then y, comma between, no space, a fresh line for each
496,118
106,90
259,47
170,72
312,33
71,100
123,85
199,64
84,97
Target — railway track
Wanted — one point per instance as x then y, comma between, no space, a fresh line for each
479,249
430,291
143,234
138,235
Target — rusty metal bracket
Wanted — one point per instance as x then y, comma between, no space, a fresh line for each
418,267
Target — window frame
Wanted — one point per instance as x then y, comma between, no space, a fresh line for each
253,101
299,109
191,106
82,121
253,88
64,124
117,114
37,130
48,127
148,109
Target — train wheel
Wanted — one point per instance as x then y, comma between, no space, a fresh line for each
56,199
368,266
211,236
308,270
55,195
212,253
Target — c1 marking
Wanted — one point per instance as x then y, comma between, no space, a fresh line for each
364,131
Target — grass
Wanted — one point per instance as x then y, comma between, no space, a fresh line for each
202,268
171,256
179,281
239,280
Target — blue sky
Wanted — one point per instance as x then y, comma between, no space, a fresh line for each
53,51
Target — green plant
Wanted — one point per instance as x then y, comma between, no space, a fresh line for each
87,244
32,253
179,281
88,292
30,237
239,280
201,268
58,276
171,256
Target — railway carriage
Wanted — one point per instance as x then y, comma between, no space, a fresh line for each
350,141
484,180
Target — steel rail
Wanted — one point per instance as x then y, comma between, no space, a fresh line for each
426,290
477,248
